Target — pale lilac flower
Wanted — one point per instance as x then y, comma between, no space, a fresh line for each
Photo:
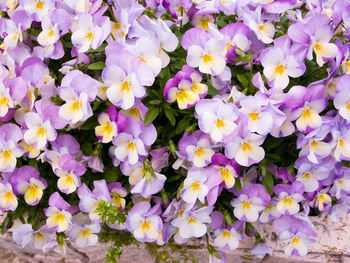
193,224
26,181
38,8
227,238
195,187
280,63
310,175
84,235
144,222
59,213
8,200
89,199
25,236
288,197
216,118
245,148
251,201
68,175
87,33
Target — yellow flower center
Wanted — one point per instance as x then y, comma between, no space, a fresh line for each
51,33
191,220
89,36
295,240
4,100
306,175
279,70
125,86
131,146
313,144
317,47
219,123
199,152
146,225
246,146
306,113
246,205
41,131
341,143
85,233
226,234
6,154
39,5
195,186
76,105
287,201
207,58
254,116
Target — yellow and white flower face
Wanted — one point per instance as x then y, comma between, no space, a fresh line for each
58,219
107,129
32,190
8,200
288,204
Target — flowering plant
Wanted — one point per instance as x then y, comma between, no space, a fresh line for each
167,120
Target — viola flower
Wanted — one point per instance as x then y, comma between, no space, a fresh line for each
259,119
280,64
228,169
68,175
144,222
313,145
193,224
128,148
148,188
25,236
322,200
6,101
251,201
235,36
26,181
342,104
209,59
87,33
315,33
38,8
13,34
50,34
294,232
89,199
77,90
8,200
107,129
117,194
59,213
308,117
341,184
245,148
39,131
216,118
179,89
227,238
125,81
201,153
264,30
194,186
269,213
310,175
288,197
342,150
10,134
84,235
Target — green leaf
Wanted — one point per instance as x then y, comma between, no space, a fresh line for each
211,90
243,80
267,180
182,125
151,114
169,114
238,184
86,148
90,123
111,174
97,65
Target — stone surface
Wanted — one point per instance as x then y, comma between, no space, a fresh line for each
332,246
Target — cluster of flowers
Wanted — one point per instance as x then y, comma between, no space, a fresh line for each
264,86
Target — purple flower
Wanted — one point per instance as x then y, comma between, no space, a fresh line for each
84,235
251,201
288,197
59,213
26,181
